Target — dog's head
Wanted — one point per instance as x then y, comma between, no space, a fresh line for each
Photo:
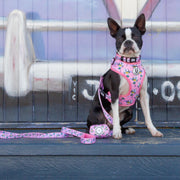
128,40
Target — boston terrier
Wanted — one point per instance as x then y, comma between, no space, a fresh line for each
123,83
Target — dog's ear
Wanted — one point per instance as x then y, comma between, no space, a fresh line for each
141,24
113,26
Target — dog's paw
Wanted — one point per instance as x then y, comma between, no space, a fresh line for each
117,133
157,134
130,131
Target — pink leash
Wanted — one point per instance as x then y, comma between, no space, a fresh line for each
65,132
106,114
96,131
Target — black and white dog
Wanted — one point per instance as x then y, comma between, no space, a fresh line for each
128,44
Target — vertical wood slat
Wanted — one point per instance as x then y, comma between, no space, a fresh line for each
11,104
40,99
161,38
166,53
83,40
2,90
168,49
25,103
70,46
55,100
163,50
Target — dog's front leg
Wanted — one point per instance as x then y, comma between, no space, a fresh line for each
144,100
116,121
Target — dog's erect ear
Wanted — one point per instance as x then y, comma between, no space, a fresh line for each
141,23
113,26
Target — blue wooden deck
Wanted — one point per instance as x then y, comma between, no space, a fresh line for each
137,156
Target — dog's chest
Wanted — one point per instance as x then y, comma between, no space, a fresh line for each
124,86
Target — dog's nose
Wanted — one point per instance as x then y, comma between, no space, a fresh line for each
128,44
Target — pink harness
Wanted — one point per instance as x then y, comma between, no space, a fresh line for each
134,73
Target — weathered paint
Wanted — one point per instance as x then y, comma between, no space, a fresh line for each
70,57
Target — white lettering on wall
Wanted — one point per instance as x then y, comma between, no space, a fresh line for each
91,83
155,91
74,96
170,97
178,90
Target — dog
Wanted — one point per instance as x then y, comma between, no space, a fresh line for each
128,47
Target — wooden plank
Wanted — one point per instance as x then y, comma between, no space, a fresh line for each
40,99
1,105
26,109
70,38
40,107
80,124
140,144
163,44
10,114
11,109
89,167
2,43
25,102
55,110
55,100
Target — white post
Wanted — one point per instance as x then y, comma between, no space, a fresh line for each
19,54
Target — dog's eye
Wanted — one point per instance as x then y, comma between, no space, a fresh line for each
122,38
135,37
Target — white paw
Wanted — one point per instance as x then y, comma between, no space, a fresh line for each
157,134
117,133
130,131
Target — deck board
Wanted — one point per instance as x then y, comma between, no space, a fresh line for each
137,156
140,144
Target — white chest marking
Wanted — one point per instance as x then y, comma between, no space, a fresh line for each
124,86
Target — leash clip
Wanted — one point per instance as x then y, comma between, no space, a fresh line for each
103,93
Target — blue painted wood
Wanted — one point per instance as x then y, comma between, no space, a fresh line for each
54,110
140,144
10,109
138,156
91,167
